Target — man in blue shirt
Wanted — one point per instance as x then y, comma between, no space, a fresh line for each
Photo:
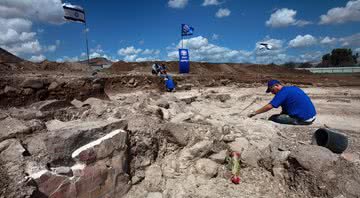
297,108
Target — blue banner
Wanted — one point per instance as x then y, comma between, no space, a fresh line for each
184,63
186,30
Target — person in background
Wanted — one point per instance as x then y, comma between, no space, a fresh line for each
297,108
169,83
155,69
163,69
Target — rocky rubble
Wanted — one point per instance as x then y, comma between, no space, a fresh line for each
150,144
25,90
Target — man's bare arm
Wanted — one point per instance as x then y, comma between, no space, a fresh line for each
261,110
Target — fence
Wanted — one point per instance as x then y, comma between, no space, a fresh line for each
334,70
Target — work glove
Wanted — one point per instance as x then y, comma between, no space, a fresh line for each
252,114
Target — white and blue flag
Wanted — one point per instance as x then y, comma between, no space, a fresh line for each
186,30
74,13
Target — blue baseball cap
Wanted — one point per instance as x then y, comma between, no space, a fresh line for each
272,83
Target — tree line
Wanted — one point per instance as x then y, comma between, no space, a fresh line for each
340,57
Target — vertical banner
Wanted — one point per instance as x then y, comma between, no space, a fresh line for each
184,64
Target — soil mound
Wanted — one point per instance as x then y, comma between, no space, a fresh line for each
63,67
11,63
97,61
7,57
202,68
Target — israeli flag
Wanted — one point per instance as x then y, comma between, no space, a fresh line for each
74,13
186,30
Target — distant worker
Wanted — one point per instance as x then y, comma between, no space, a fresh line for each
163,69
169,83
297,108
155,69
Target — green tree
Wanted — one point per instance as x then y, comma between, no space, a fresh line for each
342,57
326,57
355,57
290,65
339,57
305,65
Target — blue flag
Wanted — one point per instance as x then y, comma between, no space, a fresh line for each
186,30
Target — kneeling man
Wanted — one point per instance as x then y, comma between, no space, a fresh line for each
297,108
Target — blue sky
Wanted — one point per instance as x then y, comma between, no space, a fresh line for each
139,30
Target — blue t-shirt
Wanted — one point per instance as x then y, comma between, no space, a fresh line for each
169,83
294,102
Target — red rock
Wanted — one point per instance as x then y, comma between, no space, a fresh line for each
88,156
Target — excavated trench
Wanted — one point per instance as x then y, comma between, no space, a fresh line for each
174,144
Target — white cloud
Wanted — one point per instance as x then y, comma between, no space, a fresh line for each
285,17
94,55
276,44
97,49
211,2
151,51
328,41
17,24
177,3
128,51
25,36
351,12
143,59
15,31
68,59
51,48
37,58
308,57
202,50
273,58
357,50
223,12
49,11
132,54
130,58
303,41
277,54
11,36
16,18
351,41
97,55
30,47
195,43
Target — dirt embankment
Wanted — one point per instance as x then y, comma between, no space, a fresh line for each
241,73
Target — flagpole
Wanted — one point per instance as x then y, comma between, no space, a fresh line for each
87,43
182,41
